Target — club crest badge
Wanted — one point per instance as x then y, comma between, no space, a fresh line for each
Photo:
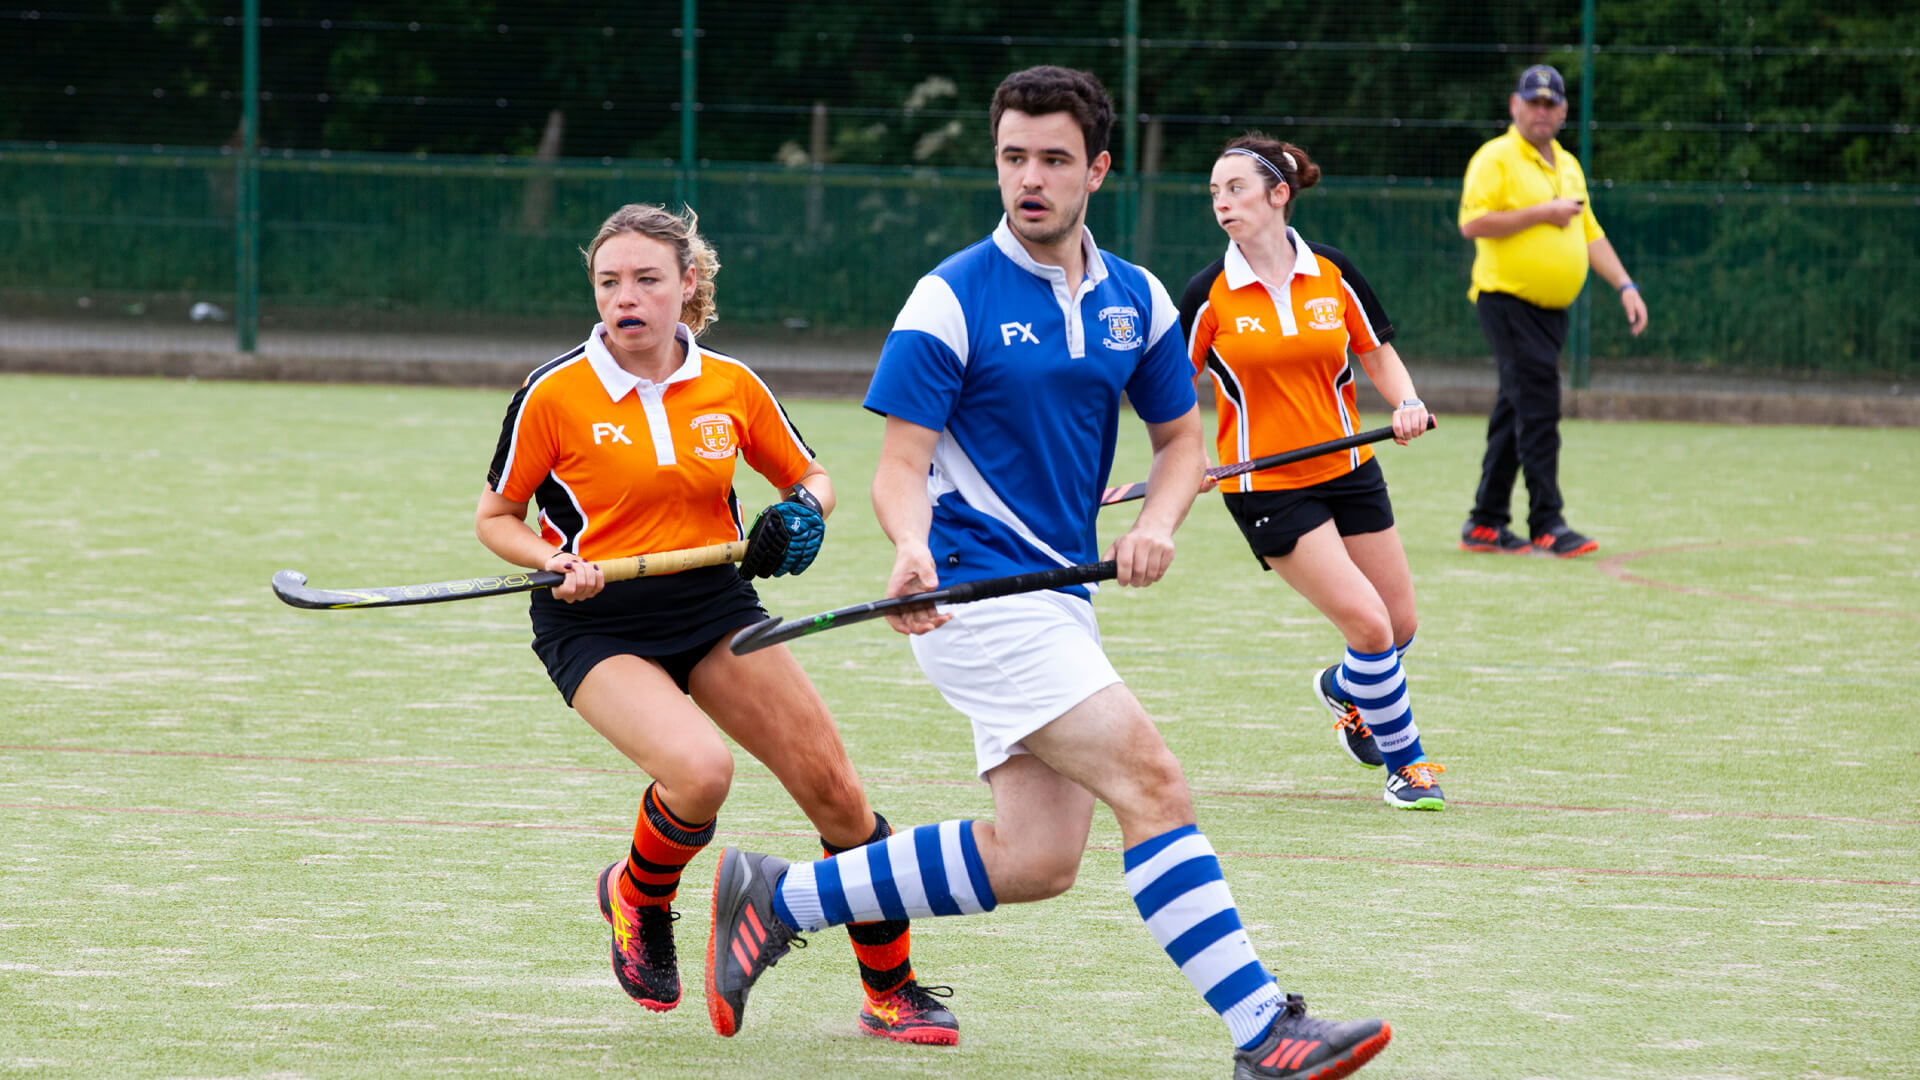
713,436
1123,327
1323,313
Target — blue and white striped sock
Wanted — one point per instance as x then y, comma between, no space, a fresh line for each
1176,883
1378,688
1401,649
932,870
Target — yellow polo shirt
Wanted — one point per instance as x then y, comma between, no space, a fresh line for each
1541,264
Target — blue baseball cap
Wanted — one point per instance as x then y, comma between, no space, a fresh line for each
1542,81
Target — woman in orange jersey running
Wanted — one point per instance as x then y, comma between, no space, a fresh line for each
628,443
1271,322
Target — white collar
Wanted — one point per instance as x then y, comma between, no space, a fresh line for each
619,382
1011,247
1240,272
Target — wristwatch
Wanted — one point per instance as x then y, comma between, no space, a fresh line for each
1413,403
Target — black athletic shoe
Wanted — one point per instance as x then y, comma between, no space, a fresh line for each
1494,538
1564,543
643,954
746,938
912,1014
1298,1047
1355,737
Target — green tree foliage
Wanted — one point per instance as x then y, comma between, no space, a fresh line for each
1685,90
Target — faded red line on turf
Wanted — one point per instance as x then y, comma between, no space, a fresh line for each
1446,864
399,762
1309,796
1438,864
1652,810
333,819
1615,567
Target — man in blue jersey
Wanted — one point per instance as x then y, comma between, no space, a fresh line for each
1001,384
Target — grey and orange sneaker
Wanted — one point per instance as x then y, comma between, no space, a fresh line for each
747,937
643,955
912,1014
1299,1047
1411,787
1355,737
1494,538
1562,542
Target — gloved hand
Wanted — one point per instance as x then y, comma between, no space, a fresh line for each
806,529
785,537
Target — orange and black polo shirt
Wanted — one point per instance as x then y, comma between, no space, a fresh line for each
620,465
1277,353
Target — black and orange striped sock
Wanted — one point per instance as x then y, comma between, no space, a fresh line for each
662,847
882,948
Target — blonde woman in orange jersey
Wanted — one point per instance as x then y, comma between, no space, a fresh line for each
1271,322
628,443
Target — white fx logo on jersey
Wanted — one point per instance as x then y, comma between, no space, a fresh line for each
616,432
1247,324
1022,330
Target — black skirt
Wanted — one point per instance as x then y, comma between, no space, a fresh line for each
672,617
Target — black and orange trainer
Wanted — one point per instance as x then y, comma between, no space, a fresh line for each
912,1014
1411,787
746,938
1494,538
1299,1047
643,956
1562,542
1355,737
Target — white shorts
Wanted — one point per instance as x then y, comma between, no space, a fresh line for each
1015,664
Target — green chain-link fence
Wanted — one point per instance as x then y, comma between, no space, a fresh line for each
1754,166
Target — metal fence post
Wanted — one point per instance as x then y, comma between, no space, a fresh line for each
1130,154
246,201
684,182
1582,359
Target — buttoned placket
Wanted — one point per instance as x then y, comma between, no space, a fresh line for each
1068,299
652,397
619,382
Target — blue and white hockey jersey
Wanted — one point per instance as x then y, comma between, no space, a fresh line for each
1021,373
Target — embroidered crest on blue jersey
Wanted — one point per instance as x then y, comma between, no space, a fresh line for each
1123,327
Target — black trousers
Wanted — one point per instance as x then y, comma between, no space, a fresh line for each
1523,434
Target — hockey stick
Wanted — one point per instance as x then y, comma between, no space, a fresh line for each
291,585
1138,490
776,630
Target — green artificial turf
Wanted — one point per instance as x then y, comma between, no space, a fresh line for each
237,839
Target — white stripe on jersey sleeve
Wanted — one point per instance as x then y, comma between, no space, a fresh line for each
798,443
1166,315
513,446
934,310
1354,299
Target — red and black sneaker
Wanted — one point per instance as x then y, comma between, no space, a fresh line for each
643,956
1299,1047
1494,538
1564,543
747,937
912,1014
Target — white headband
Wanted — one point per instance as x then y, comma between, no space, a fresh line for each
1284,156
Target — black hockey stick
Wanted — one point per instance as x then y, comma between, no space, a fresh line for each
291,585
776,630
1138,490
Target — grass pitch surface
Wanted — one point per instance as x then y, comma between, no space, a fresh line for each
238,839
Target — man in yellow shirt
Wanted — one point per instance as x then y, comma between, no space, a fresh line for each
1524,205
